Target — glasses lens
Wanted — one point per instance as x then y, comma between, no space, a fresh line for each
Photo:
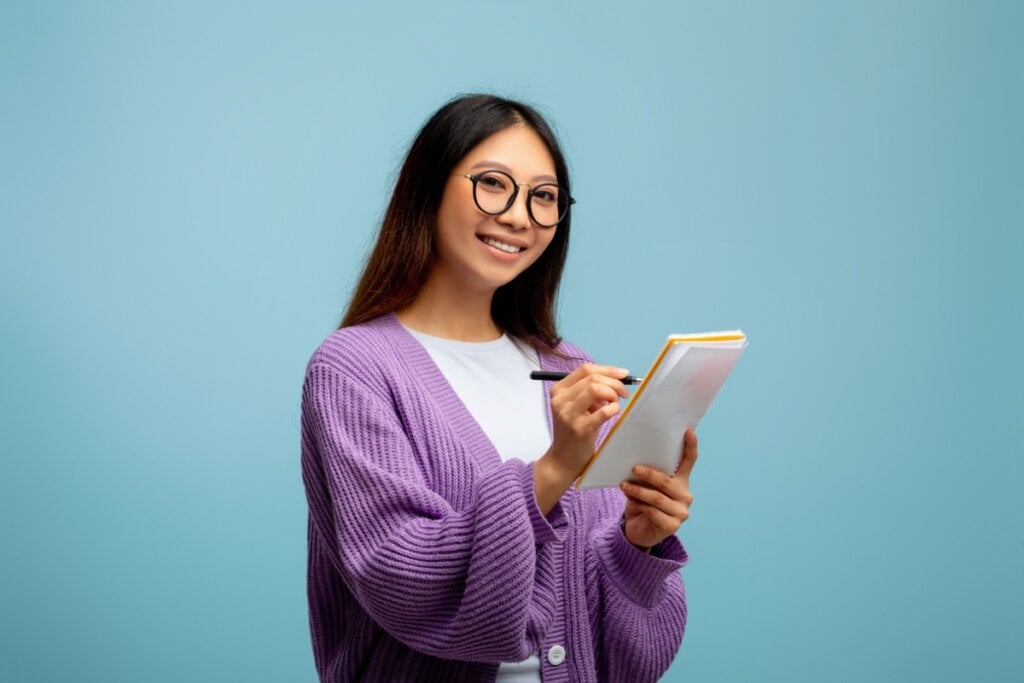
548,204
493,192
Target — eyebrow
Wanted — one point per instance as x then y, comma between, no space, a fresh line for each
502,167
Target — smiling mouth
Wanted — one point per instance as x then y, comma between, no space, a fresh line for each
507,248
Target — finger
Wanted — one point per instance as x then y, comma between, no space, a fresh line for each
613,382
598,416
593,397
659,519
675,487
670,485
654,498
583,384
689,457
590,370
569,397
585,369
584,422
603,414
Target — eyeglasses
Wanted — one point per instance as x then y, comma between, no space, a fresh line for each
495,191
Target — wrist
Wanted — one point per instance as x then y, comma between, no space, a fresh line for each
550,481
642,548
553,473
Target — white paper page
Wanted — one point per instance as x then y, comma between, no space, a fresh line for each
672,356
652,433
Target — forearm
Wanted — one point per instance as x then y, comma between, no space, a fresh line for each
420,565
427,576
551,480
642,608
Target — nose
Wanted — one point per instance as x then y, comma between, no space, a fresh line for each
517,216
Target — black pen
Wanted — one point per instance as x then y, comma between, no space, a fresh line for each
555,376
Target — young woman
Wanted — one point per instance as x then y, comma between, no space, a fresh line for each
446,541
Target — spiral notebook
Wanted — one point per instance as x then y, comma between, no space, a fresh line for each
675,394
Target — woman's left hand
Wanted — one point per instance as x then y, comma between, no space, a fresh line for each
658,503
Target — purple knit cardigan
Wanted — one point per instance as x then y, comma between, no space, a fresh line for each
429,559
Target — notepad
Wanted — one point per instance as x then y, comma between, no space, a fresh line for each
675,394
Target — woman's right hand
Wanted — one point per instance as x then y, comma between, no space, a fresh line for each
582,402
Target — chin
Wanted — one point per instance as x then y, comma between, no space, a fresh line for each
500,282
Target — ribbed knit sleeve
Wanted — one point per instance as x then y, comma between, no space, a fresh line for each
468,577
637,601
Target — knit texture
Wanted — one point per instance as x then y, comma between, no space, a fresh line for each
429,559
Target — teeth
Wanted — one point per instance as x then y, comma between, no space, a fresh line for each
501,245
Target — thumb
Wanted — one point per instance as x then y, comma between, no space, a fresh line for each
689,456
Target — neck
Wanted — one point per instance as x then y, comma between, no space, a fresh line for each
443,310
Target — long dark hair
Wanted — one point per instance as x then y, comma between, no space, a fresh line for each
405,251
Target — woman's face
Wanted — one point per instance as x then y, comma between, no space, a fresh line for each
480,252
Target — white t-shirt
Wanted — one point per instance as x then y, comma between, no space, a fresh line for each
493,381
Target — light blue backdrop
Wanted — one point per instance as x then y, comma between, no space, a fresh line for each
187,193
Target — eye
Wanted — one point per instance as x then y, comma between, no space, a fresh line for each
494,182
546,194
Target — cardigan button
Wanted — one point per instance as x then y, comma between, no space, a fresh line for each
556,655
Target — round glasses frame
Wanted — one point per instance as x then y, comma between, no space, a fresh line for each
563,204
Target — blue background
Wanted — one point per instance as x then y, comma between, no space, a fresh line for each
187,194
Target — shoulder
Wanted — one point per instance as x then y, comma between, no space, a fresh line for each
369,350
566,356
573,352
